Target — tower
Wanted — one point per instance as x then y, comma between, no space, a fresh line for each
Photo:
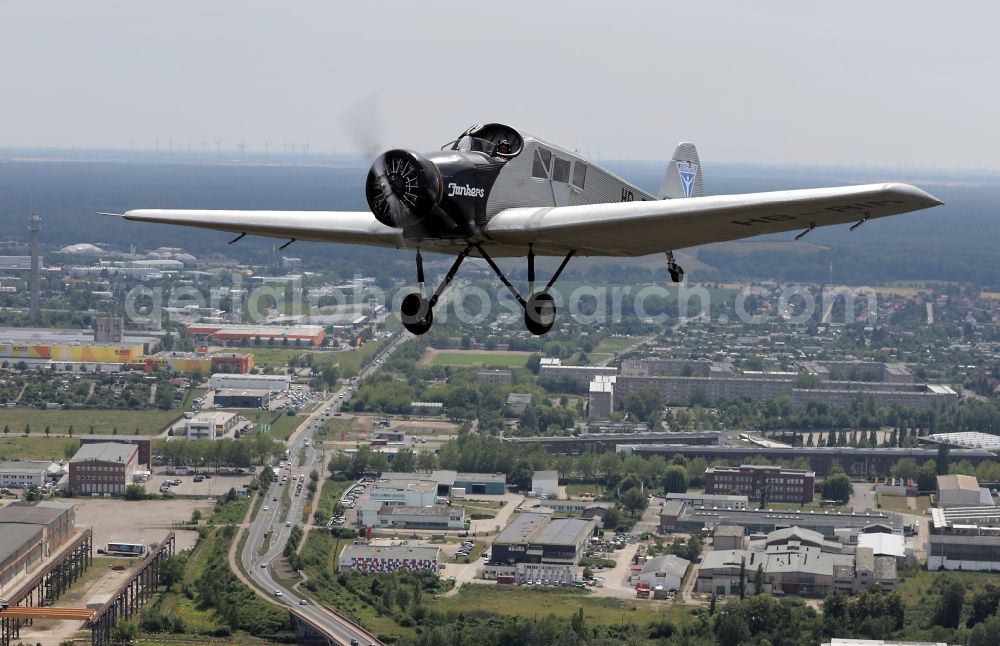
34,225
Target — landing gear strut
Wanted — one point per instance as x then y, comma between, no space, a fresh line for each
676,271
416,310
540,308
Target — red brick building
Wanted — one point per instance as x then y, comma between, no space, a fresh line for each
783,485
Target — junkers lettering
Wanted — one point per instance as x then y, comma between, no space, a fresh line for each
466,191
627,195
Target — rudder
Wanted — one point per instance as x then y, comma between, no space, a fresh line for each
683,178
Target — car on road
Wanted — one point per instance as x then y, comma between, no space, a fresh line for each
274,498
303,602
264,564
265,508
288,523
277,593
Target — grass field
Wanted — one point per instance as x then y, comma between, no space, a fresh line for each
561,602
898,503
37,447
274,357
469,359
351,361
104,422
577,490
617,343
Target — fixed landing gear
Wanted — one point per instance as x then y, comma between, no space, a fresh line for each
676,271
417,311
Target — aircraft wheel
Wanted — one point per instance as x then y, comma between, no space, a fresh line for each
540,313
416,313
676,273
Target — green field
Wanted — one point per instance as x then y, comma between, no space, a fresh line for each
617,343
482,359
267,357
37,447
898,503
351,361
532,601
104,422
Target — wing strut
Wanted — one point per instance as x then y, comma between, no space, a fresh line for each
238,238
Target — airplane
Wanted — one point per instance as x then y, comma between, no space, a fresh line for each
496,191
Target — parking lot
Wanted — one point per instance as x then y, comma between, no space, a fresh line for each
212,485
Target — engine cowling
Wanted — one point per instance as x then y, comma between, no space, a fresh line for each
403,188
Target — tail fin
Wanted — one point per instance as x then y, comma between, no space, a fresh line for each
683,177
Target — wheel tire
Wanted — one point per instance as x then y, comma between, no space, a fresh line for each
676,274
540,313
416,313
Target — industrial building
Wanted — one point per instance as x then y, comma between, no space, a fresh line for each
517,403
55,520
601,398
46,347
223,334
20,550
664,572
105,468
441,517
752,480
545,483
796,561
551,368
143,442
962,491
405,493
964,538
21,474
192,362
538,547
855,461
678,517
580,443
383,559
712,501
242,397
493,484
210,426
272,383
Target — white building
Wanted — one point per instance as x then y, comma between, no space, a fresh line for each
545,483
273,383
408,493
710,500
432,517
665,572
961,491
602,397
378,559
23,473
209,426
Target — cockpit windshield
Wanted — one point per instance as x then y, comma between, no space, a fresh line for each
475,145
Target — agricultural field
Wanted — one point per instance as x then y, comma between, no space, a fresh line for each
267,357
37,447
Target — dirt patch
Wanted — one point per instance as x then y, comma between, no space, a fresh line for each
146,522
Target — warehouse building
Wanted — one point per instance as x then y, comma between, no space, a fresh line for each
142,442
432,517
191,362
545,483
962,491
222,333
677,517
103,468
209,426
538,547
21,549
56,520
752,480
384,559
493,484
599,442
664,572
272,383
242,397
405,493
964,538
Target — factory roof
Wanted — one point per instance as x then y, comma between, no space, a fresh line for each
32,514
971,439
105,452
24,466
541,529
57,336
670,564
883,544
956,482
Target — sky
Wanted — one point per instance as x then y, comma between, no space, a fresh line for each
899,83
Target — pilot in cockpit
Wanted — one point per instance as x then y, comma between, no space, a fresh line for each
503,148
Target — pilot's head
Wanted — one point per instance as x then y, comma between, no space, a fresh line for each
504,147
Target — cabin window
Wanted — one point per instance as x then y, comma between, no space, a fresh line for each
579,174
560,170
540,167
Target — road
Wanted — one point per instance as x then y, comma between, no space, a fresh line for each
862,497
278,520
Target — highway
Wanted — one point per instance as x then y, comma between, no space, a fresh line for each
278,520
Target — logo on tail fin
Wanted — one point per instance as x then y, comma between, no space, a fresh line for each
688,172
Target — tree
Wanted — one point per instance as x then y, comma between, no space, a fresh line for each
124,632
731,629
32,493
949,608
906,469
634,501
837,486
984,604
404,461
135,492
172,569
758,579
675,480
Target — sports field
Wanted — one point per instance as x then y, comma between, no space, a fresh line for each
475,358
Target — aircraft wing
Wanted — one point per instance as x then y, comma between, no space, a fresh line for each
359,227
639,228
